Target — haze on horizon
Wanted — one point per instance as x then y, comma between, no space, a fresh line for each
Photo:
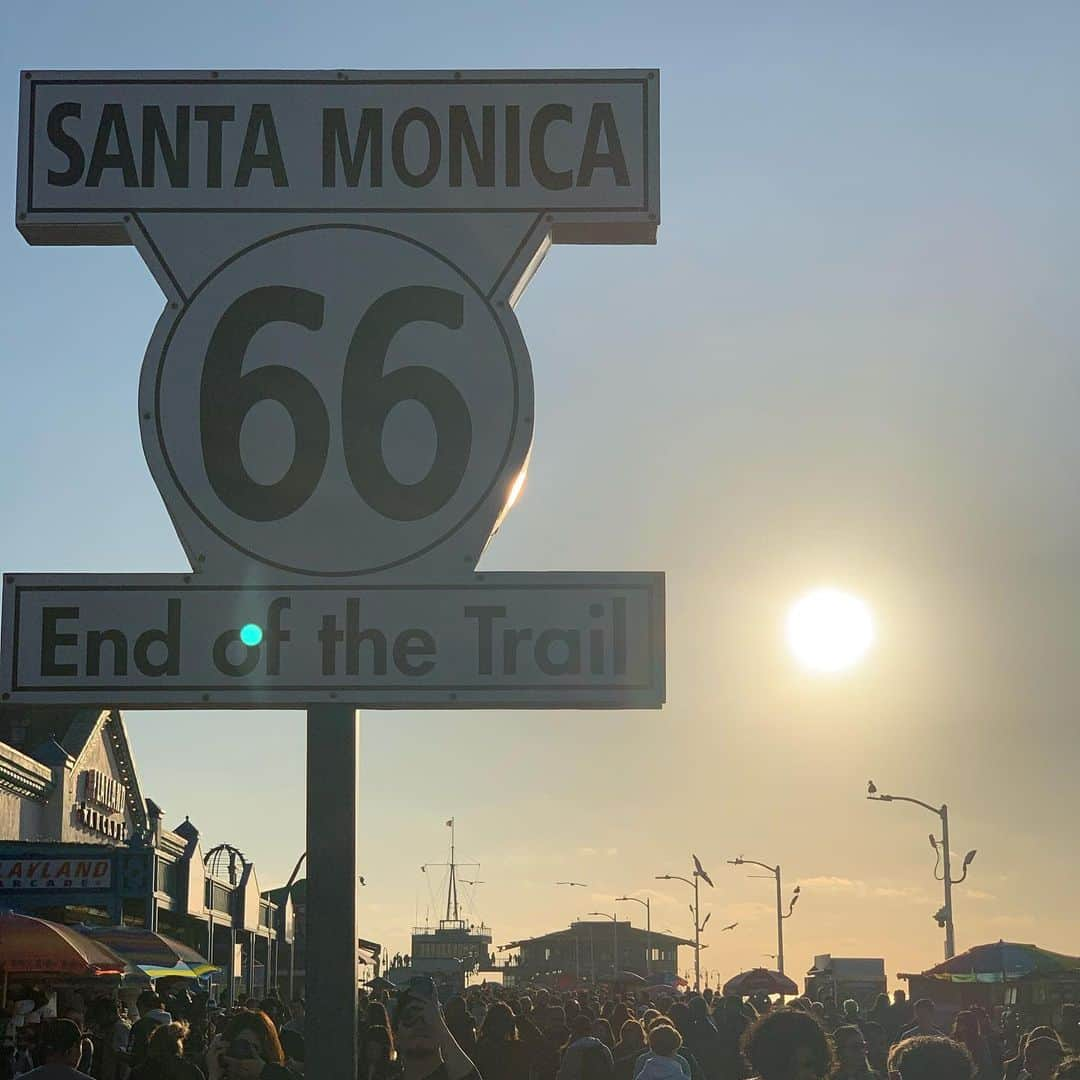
849,361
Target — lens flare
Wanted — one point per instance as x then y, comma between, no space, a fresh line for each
251,634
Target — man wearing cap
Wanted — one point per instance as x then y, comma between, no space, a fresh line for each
61,1046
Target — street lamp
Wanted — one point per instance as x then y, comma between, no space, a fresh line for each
774,871
614,943
648,928
699,872
944,917
577,940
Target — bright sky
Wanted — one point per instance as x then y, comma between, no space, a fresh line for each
850,361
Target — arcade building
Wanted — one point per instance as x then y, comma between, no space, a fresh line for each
79,843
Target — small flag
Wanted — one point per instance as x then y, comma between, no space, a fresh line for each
450,823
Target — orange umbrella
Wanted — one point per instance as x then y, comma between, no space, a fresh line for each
30,946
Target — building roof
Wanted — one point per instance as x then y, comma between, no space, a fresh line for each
23,775
55,736
572,932
1001,962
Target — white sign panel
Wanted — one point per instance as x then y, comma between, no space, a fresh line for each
579,144
336,403
499,640
39,872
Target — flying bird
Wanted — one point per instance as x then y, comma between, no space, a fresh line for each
731,927
700,871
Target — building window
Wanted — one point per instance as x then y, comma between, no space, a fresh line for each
167,877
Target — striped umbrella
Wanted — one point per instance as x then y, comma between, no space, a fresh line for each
154,954
31,946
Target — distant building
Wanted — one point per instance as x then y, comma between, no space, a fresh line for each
837,978
292,969
586,952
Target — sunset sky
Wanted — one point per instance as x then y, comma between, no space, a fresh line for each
850,361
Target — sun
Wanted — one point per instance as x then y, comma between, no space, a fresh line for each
829,630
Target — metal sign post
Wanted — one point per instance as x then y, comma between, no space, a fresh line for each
337,407
333,751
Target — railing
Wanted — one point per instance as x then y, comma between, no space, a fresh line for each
480,930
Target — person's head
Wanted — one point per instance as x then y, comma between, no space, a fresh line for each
1042,1056
880,1002
698,1007
1069,1069
965,1027
61,1043
274,1009
851,1009
553,1020
788,1045
899,997
930,1057
679,1012
580,1027
378,1044
664,1040
167,1041
147,1002
601,1029
456,1011
924,1012
499,1024
414,1030
850,1047
632,1034
251,1039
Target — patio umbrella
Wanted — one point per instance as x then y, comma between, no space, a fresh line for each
154,954
379,983
759,981
30,946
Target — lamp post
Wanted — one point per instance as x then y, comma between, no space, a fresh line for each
945,916
577,939
615,943
774,871
648,928
699,872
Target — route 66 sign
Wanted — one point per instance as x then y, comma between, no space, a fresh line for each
338,388
336,403
346,424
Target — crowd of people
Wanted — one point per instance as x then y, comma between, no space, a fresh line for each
492,1033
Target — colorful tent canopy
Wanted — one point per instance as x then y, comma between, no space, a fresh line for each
154,954
1003,961
30,946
